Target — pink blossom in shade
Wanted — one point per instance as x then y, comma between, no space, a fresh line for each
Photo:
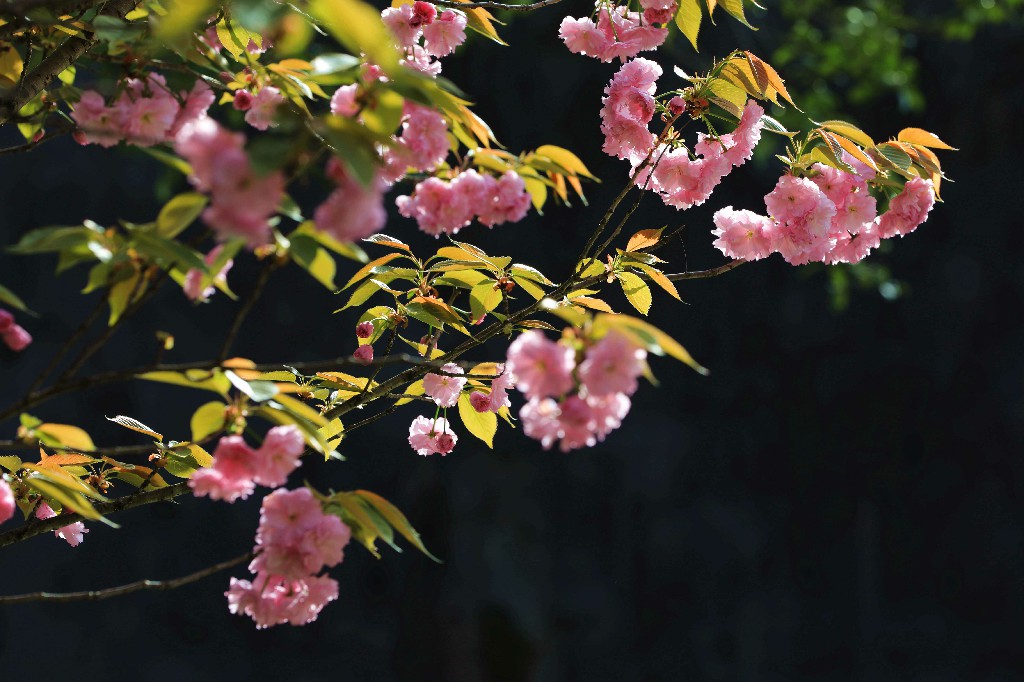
147,110
684,182
279,456
510,203
6,320
424,137
403,26
436,207
276,601
352,211
582,36
479,191
853,248
607,413
628,33
264,106
211,150
676,105
195,104
17,338
364,354
908,209
576,425
445,390
612,365
447,32
364,330
425,436
73,533
857,211
96,120
345,101
803,216
194,277
627,140
481,402
7,504
304,551
659,16
540,421
232,475
423,13
418,59
742,235
242,206
499,389
542,367
658,4
243,100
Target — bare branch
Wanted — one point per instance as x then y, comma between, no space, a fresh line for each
137,586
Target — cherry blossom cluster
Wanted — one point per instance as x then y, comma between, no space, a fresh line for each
14,335
574,404
260,108
238,468
241,201
73,533
435,436
440,32
445,207
294,541
146,112
830,217
618,33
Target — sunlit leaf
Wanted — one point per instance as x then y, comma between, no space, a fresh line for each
636,290
207,420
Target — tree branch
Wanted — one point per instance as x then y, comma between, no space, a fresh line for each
137,586
54,63
38,527
247,306
499,5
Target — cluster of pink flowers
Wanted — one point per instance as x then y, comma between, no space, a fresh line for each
441,33
576,405
73,533
238,468
364,332
498,397
627,109
618,33
193,284
13,334
352,211
445,389
7,504
294,541
432,436
441,206
242,202
145,113
830,218
259,108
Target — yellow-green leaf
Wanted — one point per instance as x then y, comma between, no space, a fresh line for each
483,298
636,290
178,213
197,378
849,131
688,18
483,425
566,159
922,137
358,26
646,335
397,520
207,420
67,436
644,239
135,425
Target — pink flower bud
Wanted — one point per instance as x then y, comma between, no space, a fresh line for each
364,354
423,14
480,402
7,504
80,137
677,105
364,330
16,338
38,136
243,100
6,321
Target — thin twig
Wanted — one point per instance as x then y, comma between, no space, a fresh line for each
32,529
72,341
499,5
247,306
137,586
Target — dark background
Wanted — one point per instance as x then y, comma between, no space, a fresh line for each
840,499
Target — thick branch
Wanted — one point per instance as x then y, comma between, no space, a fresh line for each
37,527
54,63
137,586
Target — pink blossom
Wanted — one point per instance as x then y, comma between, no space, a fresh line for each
147,110
676,105
275,601
264,106
804,217
542,367
364,330
436,207
295,538
684,182
196,102
424,138
17,338
607,413
576,425
445,390
627,108
73,533
279,455
481,402
908,209
243,100
854,247
582,36
402,24
352,211
659,16
509,203
428,436
743,235
612,365
194,277
499,389
423,13
345,101
364,354
7,504
232,474
540,420
442,36
418,59
6,320
618,33
98,122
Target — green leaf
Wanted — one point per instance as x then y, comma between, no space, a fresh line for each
8,297
207,420
119,295
308,254
178,213
358,27
688,18
397,520
181,18
735,8
207,380
636,290
483,425
257,391
10,462
483,298
384,113
849,131
646,335
52,239
167,250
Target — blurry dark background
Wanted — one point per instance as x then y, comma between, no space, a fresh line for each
841,499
